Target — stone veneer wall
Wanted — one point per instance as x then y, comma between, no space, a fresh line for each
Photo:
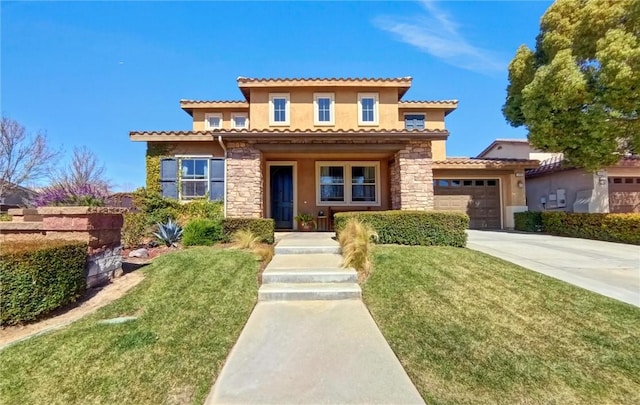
98,227
244,180
412,178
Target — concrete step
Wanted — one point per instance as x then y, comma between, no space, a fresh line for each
308,291
309,262
297,250
310,276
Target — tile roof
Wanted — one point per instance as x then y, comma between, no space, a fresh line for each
242,79
428,102
288,133
486,162
211,101
557,164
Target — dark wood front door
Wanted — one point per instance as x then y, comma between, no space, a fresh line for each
282,196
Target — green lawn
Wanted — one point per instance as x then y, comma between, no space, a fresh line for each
192,306
470,328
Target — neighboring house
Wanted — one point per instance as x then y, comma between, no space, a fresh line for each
327,145
556,187
17,197
553,186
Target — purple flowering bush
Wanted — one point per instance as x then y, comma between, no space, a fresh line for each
72,195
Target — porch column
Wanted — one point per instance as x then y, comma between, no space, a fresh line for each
244,180
412,177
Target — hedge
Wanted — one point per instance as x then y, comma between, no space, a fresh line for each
263,228
431,228
202,232
528,221
38,277
623,228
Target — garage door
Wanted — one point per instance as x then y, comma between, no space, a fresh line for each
624,194
480,199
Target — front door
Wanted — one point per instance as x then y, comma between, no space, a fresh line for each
282,196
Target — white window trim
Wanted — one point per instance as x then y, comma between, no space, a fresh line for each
348,182
287,109
376,108
189,157
233,120
316,109
210,115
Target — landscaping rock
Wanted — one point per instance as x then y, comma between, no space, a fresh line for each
143,253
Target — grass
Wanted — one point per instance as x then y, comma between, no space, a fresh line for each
191,308
469,328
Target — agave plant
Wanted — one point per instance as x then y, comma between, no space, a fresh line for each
169,233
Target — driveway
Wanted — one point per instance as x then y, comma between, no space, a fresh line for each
610,269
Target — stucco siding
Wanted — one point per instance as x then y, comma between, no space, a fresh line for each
572,181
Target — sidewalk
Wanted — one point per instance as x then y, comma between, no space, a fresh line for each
312,351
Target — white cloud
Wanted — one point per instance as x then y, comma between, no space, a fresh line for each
436,33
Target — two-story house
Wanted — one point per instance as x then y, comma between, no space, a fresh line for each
321,145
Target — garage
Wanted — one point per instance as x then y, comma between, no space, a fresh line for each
478,198
624,194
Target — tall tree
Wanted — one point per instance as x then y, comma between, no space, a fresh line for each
23,157
579,91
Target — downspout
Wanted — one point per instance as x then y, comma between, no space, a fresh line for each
224,149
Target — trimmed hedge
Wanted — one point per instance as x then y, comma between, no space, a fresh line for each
430,228
623,228
263,228
202,232
528,221
38,277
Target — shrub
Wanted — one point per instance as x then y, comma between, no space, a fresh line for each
5,217
38,277
72,194
169,233
156,208
356,240
201,209
202,232
431,228
263,228
623,228
134,229
528,221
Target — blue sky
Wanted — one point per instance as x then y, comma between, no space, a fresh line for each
89,72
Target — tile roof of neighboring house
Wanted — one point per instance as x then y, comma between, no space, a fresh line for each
187,101
429,102
190,105
471,163
401,83
501,140
557,164
324,133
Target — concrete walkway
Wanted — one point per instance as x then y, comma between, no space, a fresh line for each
308,345
610,269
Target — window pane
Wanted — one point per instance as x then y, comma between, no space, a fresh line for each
193,189
479,182
331,193
214,122
363,174
367,109
331,175
467,183
240,122
201,169
363,192
279,109
324,109
491,183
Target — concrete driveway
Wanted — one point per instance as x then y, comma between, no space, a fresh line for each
610,269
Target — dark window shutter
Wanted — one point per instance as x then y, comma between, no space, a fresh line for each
169,177
216,179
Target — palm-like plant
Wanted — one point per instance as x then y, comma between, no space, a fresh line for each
169,233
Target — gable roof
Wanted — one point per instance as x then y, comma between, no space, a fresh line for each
502,141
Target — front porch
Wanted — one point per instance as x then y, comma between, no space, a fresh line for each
279,181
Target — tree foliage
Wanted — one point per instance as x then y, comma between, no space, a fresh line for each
23,157
579,91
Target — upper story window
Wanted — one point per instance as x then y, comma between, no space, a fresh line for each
368,108
414,121
323,109
239,120
279,109
213,121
